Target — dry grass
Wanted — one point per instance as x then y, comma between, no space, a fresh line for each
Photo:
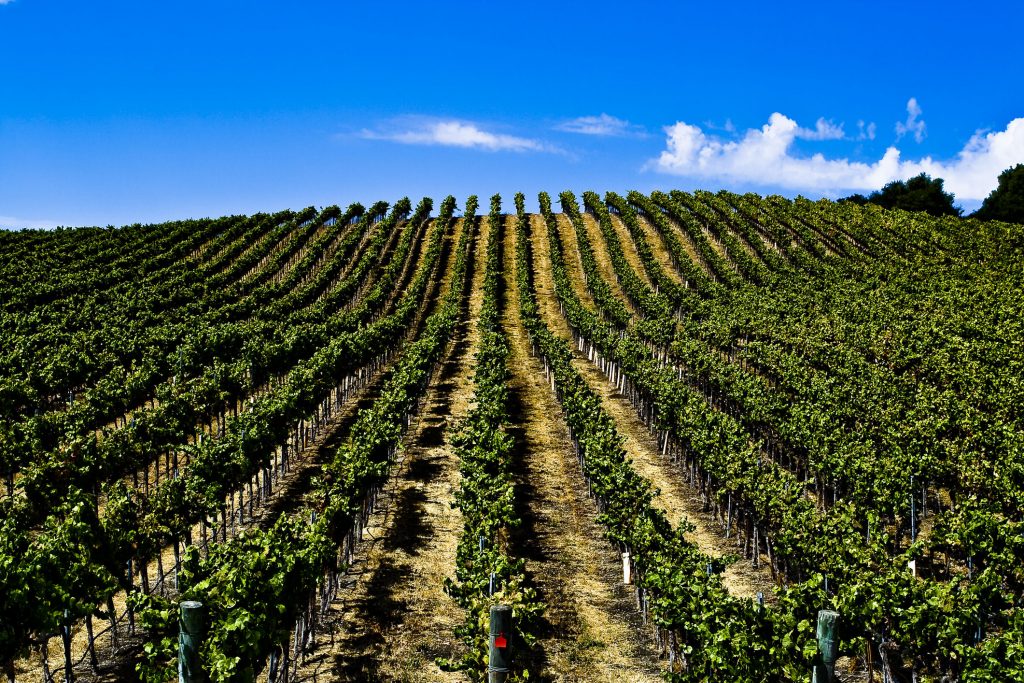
393,618
591,631
676,497
657,245
629,249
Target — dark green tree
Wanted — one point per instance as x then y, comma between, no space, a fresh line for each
920,193
856,199
1006,202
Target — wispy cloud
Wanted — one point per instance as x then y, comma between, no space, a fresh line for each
11,223
453,133
765,156
823,130
728,126
6,2
913,123
866,132
604,125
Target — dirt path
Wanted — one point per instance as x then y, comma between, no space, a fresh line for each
592,631
676,497
625,241
393,618
655,242
640,445
600,249
684,240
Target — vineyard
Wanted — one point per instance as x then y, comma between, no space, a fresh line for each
666,429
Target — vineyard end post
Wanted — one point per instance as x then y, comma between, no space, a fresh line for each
824,668
190,638
500,656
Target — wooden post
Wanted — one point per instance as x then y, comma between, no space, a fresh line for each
189,640
824,669
500,655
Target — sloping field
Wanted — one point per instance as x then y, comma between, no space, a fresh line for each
349,433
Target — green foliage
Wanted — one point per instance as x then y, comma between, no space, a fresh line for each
815,363
258,585
844,542
486,494
920,193
1006,202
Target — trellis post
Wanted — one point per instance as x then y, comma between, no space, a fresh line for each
500,655
825,666
192,626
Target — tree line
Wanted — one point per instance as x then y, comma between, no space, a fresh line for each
924,193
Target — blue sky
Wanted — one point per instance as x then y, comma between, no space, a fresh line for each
117,112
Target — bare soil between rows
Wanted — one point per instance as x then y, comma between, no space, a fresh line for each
591,629
679,500
392,619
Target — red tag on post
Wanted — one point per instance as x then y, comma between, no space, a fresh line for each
500,641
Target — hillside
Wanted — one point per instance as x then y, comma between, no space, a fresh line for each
349,432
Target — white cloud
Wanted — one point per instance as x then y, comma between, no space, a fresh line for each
912,125
451,133
823,130
765,156
6,2
601,125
